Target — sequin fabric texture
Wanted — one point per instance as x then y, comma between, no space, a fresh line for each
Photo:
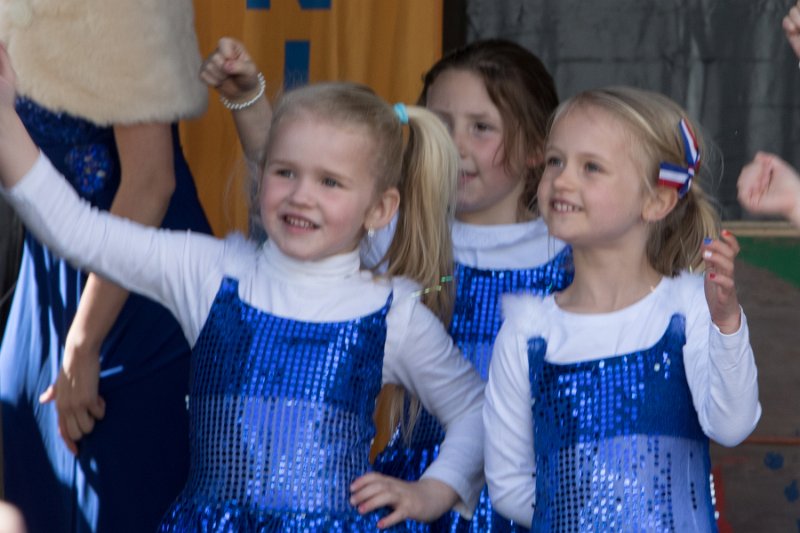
90,160
476,320
281,421
477,316
618,444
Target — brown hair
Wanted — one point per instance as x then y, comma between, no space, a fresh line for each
654,129
522,90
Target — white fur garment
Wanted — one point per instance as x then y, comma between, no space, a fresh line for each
109,61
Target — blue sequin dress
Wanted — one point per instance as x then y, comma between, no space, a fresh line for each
135,462
611,454
281,421
476,320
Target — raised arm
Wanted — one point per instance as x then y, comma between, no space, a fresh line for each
720,366
241,87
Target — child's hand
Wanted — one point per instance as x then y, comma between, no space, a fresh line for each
230,70
8,79
791,26
75,392
768,185
423,501
720,288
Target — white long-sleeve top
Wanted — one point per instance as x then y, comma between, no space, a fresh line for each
488,247
720,370
505,246
183,272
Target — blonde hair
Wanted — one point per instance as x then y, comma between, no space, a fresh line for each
422,237
422,248
653,122
422,165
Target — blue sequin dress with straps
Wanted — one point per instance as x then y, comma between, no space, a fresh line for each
476,320
281,421
611,454
135,461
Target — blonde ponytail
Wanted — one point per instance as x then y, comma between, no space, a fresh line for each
422,248
675,241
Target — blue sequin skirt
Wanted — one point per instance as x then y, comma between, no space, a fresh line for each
231,517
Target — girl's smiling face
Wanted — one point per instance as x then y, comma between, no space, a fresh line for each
593,188
487,194
318,188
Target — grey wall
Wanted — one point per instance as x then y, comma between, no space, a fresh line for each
726,61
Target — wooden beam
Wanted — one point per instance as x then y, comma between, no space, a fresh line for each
762,228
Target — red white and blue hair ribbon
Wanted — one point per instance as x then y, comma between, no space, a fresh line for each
677,176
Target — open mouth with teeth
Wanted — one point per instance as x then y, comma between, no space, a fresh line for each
563,207
299,222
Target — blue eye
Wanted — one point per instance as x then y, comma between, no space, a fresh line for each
554,162
593,167
330,182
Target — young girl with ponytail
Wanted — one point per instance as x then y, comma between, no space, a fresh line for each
292,339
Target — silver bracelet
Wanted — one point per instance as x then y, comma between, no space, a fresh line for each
237,106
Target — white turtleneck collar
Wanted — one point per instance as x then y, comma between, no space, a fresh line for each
323,271
498,235
505,246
